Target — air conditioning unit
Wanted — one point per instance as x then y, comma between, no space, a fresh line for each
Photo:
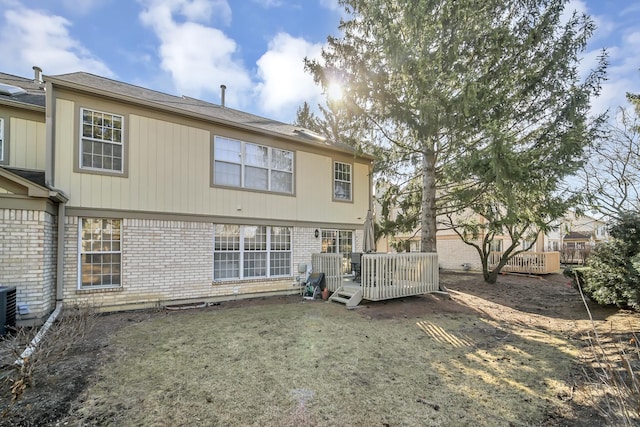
7,308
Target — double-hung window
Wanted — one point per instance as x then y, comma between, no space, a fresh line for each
249,252
100,254
101,141
257,167
342,181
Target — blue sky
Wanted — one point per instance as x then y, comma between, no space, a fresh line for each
254,47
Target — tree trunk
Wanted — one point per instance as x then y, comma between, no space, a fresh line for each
428,211
490,277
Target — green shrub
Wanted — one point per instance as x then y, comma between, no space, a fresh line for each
572,271
628,230
612,275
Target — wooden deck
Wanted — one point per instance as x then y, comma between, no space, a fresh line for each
529,262
383,276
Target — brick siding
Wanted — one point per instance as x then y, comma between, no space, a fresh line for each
170,262
28,259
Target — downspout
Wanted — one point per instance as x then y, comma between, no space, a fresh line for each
62,200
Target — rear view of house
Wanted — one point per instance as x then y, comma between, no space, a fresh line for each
121,197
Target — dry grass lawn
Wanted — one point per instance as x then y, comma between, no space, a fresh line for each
319,364
492,355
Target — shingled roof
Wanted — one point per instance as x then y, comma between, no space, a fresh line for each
33,95
191,107
574,235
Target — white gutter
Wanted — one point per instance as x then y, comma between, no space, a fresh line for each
36,340
62,199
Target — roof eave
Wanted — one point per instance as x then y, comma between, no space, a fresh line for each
186,113
32,189
22,105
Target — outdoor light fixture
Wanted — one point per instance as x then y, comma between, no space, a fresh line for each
316,233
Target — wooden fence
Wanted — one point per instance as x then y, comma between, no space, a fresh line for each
528,262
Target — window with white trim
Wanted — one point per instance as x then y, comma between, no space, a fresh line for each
249,252
342,181
1,139
101,141
100,253
257,167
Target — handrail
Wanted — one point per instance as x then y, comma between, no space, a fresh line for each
528,262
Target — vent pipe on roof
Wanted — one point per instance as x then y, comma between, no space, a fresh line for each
37,75
223,88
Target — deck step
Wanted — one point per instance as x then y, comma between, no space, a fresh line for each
349,297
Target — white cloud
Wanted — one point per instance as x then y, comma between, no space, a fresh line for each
621,39
330,4
269,3
31,37
199,58
285,84
81,7
202,11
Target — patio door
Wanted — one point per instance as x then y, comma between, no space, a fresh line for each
339,242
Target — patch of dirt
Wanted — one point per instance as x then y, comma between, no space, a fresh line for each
547,303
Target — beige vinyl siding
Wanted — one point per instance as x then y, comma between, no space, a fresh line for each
25,138
169,171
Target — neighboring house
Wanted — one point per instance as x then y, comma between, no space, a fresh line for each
572,235
453,253
576,231
121,197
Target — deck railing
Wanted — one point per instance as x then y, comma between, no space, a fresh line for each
386,276
528,262
330,265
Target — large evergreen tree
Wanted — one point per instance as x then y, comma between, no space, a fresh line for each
472,97
336,123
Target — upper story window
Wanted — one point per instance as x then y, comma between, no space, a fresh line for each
101,141
2,140
342,181
246,165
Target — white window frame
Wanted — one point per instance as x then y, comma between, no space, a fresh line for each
244,252
113,143
2,140
90,250
244,164
339,178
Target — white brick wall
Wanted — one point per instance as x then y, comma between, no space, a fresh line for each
163,262
452,253
27,259
304,244
166,262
